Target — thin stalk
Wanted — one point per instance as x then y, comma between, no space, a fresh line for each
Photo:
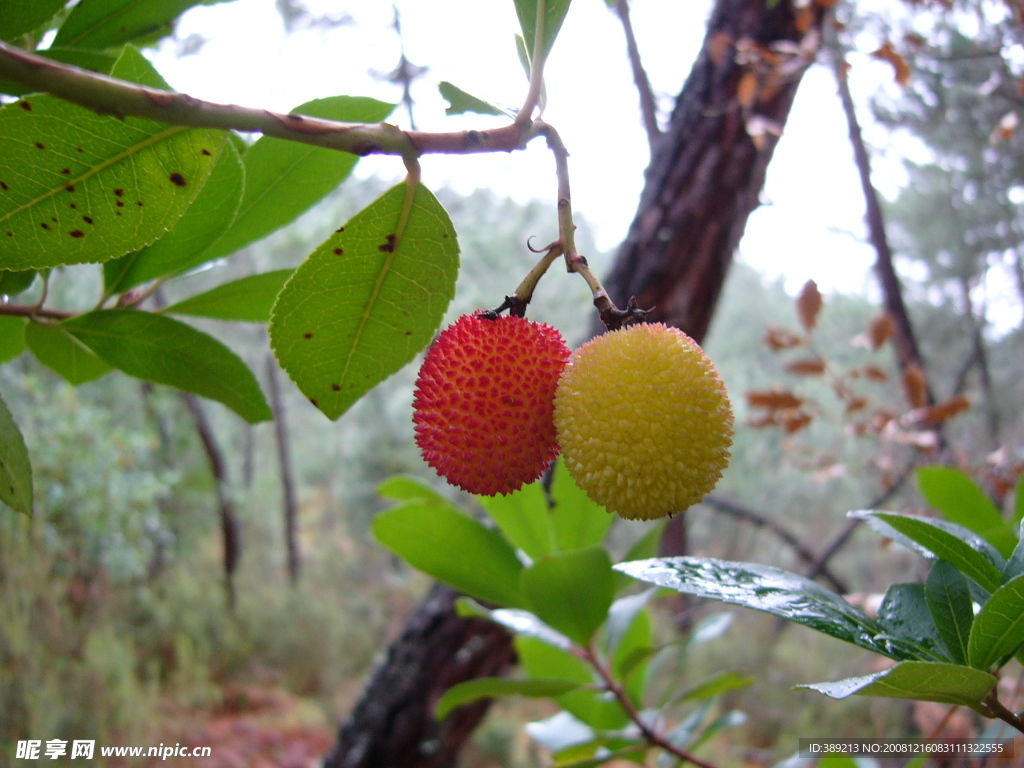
536,68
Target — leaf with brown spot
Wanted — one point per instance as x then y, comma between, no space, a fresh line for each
808,305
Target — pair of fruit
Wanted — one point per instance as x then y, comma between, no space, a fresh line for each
640,414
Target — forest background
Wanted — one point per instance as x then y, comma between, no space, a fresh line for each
116,624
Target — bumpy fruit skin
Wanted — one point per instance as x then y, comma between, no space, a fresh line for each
484,402
644,421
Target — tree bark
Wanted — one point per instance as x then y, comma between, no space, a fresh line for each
703,181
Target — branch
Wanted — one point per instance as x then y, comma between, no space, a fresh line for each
32,310
284,462
110,96
648,107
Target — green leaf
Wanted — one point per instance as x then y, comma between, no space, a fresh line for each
186,246
165,351
998,629
284,178
969,553
949,602
405,488
446,544
1015,563
578,522
710,628
78,187
621,616
592,707
58,350
553,14
1018,504
524,518
631,656
716,685
917,680
13,283
367,300
518,621
249,298
561,733
643,548
492,687
961,501
12,337
571,591
462,102
21,16
912,633
763,588
108,23
15,471
832,760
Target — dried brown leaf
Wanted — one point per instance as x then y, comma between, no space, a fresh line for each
856,404
804,19
777,338
793,420
939,413
807,367
808,304
881,329
872,372
773,399
915,386
762,420
899,64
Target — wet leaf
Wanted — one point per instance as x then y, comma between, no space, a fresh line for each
917,680
519,621
763,588
949,602
78,187
998,629
159,349
904,614
15,470
367,300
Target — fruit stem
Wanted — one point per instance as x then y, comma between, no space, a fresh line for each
524,291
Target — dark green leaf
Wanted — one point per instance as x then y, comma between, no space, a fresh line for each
912,634
492,687
12,337
284,178
918,680
961,501
595,709
58,350
763,588
21,16
519,621
578,522
553,15
156,348
367,300
524,518
1015,563
446,544
186,246
13,283
108,23
15,471
998,629
571,591
79,187
716,685
949,602
249,298
462,102
969,553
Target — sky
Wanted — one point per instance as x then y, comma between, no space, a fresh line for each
811,226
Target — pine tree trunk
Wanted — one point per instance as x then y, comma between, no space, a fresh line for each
703,182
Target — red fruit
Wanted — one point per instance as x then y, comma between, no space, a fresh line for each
485,401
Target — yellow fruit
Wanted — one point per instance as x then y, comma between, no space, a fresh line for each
644,421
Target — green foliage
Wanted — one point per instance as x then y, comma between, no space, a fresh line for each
944,651
552,15
368,299
108,23
21,16
83,187
60,351
15,472
461,102
249,298
491,687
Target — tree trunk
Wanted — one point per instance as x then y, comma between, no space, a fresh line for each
702,184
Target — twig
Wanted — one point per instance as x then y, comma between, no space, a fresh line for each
110,96
31,310
650,735
648,106
284,462
996,708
